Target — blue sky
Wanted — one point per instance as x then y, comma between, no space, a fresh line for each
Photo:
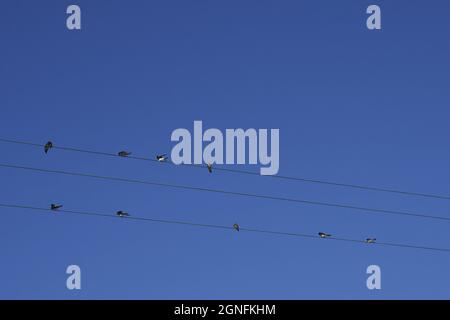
352,105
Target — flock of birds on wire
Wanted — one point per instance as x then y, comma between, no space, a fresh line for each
163,158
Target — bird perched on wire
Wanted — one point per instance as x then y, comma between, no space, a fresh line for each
236,227
124,154
371,240
209,166
55,207
48,146
324,235
161,157
122,214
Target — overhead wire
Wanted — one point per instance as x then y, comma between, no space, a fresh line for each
224,227
367,210
246,172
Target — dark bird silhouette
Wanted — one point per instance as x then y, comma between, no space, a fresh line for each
48,146
161,157
371,240
122,214
55,207
236,227
124,154
324,235
209,166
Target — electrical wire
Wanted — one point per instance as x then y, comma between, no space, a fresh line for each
246,172
224,227
226,192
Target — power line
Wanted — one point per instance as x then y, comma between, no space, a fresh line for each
226,192
246,172
215,226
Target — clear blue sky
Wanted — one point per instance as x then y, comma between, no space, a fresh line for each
352,105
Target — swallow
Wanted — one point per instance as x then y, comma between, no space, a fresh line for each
122,214
371,240
161,157
236,227
48,146
324,235
209,166
123,154
55,207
